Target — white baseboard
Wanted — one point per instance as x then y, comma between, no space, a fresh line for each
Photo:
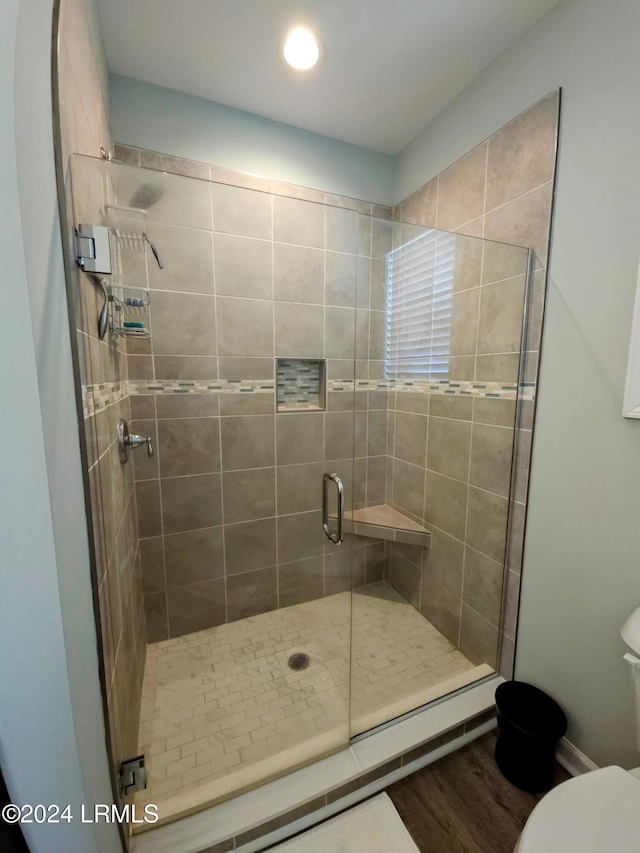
574,762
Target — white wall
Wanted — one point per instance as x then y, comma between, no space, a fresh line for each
581,574
51,727
160,119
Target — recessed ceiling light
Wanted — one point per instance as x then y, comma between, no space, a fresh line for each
301,49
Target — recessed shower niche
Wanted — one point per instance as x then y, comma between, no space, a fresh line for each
300,384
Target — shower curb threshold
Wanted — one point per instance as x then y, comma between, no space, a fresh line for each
276,810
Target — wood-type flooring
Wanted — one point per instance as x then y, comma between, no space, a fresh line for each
463,804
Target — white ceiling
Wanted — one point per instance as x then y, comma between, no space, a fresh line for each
389,66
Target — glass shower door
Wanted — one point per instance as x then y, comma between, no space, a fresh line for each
440,319
234,330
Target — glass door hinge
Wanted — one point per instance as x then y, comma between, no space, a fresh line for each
92,249
132,776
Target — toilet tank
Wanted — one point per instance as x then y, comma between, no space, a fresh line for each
631,635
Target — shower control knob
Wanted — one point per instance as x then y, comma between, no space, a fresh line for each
127,441
139,440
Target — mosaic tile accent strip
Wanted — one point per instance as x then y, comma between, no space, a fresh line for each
222,709
201,386
95,398
461,388
98,397
299,384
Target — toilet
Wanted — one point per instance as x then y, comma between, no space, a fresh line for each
598,812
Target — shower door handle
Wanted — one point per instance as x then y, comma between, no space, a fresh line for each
336,537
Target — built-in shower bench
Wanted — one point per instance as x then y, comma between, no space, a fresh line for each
383,522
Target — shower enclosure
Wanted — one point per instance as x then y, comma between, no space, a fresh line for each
311,543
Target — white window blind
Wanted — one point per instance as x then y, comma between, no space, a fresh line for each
420,291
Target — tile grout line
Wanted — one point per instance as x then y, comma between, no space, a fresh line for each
222,524
275,413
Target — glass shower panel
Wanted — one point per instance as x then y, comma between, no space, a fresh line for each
438,343
236,312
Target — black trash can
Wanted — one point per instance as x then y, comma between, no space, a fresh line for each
530,723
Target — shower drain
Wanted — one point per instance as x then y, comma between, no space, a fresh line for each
299,661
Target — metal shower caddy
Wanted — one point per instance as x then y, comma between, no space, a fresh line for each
125,308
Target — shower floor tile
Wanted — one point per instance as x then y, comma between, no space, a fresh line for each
222,711
400,661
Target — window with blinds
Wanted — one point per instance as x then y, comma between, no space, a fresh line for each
420,298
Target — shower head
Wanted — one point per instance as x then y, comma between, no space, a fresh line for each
146,196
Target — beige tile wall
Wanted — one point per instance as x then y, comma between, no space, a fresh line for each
283,269
503,191
84,129
449,469
259,298
230,506
449,457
